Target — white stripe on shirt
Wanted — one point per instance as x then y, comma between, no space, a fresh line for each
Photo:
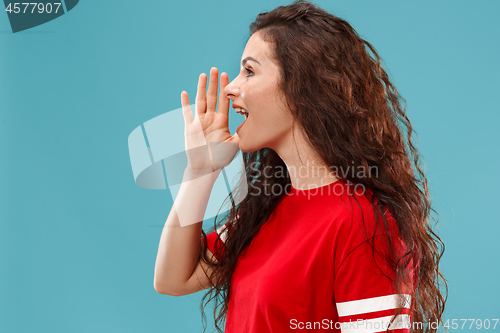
371,305
376,324
222,236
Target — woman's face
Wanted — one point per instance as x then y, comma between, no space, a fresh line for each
256,90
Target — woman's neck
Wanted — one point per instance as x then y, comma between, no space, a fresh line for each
305,167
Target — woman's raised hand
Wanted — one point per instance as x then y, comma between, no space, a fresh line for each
209,143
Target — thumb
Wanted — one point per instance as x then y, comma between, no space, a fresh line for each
186,108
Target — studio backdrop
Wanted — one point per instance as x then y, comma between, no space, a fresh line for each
88,95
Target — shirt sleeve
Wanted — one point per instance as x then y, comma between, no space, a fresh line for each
364,291
216,239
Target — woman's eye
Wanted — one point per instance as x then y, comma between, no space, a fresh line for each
249,71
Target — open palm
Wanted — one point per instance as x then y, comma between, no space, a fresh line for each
209,143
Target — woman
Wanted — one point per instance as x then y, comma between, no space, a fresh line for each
334,232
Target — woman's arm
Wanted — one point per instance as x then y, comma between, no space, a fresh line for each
178,269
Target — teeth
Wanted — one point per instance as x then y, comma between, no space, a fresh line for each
241,111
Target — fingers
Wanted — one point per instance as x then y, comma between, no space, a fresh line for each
201,101
206,101
223,99
186,108
212,90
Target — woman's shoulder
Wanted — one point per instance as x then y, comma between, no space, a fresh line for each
360,214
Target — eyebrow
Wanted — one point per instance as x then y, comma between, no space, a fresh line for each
244,61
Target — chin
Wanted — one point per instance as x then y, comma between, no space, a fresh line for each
248,148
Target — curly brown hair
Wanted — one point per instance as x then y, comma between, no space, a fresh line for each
343,100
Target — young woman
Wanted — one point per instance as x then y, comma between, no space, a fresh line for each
334,231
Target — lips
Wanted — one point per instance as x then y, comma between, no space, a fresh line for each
240,110
239,127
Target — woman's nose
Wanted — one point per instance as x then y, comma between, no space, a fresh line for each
231,89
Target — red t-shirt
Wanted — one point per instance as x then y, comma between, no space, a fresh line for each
310,267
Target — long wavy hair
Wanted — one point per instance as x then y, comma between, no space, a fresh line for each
352,115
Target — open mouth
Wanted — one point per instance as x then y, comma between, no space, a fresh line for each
242,112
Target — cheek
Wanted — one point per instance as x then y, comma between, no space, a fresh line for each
260,95
262,99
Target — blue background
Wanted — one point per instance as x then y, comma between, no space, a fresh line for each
78,238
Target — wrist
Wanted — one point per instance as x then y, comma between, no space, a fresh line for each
190,174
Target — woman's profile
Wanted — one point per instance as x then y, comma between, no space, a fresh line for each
334,233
